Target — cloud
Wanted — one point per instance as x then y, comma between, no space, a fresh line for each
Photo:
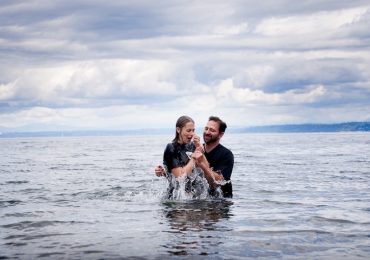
316,23
125,64
78,83
241,96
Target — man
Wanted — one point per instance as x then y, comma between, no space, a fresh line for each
214,159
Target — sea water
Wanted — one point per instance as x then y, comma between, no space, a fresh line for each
296,196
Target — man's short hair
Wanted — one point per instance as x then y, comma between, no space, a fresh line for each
222,125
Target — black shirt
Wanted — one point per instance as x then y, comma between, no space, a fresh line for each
221,160
175,155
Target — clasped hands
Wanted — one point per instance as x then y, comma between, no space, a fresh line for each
199,158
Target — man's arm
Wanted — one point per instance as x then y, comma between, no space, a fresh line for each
213,178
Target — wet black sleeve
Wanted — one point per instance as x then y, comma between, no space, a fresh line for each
170,158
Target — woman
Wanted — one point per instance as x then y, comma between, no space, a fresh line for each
178,162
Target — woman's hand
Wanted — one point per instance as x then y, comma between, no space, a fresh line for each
159,171
196,140
198,145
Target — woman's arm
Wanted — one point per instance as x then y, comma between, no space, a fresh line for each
183,171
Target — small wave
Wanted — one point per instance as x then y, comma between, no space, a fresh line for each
358,161
282,202
78,155
127,159
28,237
16,182
265,191
88,252
283,231
14,244
22,214
24,170
82,246
34,190
338,220
293,163
41,236
9,203
37,224
51,254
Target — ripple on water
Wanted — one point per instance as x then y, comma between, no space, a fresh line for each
9,203
16,182
34,225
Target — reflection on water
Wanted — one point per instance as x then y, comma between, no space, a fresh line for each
197,226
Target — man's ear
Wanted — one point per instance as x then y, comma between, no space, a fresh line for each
221,135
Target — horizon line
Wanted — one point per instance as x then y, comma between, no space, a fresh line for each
304,127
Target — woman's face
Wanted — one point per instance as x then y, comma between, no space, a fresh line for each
186,133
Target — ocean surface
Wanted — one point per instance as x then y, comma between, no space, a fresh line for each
296,196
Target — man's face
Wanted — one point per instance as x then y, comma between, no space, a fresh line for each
211,132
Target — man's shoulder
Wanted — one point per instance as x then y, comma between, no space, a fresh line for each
224,149
223,152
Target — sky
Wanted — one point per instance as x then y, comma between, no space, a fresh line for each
117,65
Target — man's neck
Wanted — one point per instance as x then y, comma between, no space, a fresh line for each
210,146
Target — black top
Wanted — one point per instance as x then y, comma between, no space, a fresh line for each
175,155
221,160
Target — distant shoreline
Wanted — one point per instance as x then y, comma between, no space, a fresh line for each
288,128
309,128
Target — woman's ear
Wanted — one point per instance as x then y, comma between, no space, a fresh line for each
178,130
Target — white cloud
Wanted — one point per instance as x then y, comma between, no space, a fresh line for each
7,91
316,23
246,97
231,29
66,83
254,77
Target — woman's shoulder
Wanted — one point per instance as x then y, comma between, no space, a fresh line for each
173,146
170,146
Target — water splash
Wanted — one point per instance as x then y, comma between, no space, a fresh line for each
194,186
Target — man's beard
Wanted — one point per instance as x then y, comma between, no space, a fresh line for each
209,139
